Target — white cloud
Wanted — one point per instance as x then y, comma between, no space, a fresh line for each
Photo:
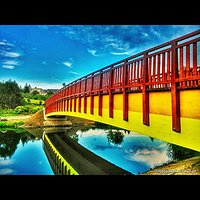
11,62
93,52
5,162
10,54
6,171
145,34
72,72
151,157
5,43
68,64
8,66
155,32
131,52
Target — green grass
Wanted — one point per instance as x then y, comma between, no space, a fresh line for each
5,124
7,112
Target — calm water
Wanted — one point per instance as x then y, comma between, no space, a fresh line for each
21,153
133,152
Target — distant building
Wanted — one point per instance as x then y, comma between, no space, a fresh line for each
39,90
42,91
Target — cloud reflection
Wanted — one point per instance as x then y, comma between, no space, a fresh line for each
6,171
5,162
150,157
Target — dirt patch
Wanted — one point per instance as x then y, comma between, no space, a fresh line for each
36,120
189,166
23,118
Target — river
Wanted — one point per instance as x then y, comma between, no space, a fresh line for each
22,152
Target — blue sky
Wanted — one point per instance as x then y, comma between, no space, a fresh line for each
48,55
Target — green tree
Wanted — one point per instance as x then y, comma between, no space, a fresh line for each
27,88
181,153
115,137
10,95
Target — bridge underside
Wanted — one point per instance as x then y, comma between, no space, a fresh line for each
160,115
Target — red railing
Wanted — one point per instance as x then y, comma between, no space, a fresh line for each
172,66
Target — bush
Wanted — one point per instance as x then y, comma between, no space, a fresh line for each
7,112
28,109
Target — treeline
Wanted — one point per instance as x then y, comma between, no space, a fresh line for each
17,100
10,95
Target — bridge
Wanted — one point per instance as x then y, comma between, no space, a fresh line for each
155,93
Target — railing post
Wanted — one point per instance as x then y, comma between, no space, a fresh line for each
70,103
74,103
85,96
99,92
175,94
67,103
91,96
125,94
111,103
79,97
145,93
74,97
70,97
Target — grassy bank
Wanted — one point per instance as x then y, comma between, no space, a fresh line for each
5,124
13,121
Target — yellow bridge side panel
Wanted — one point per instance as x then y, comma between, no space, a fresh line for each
72,104
96,105
105,106
88,104
105,101
190,103
96,102
135,102
118,102
160,103
82,105
75,102
160,124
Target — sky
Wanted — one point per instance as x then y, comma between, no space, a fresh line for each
46,56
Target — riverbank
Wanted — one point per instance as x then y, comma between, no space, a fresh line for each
13,121
23,118
37,121
190,166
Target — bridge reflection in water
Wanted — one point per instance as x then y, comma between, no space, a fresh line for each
67,157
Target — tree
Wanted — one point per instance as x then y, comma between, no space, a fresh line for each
27,88
10,95
115,137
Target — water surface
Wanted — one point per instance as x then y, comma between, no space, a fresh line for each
21,153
